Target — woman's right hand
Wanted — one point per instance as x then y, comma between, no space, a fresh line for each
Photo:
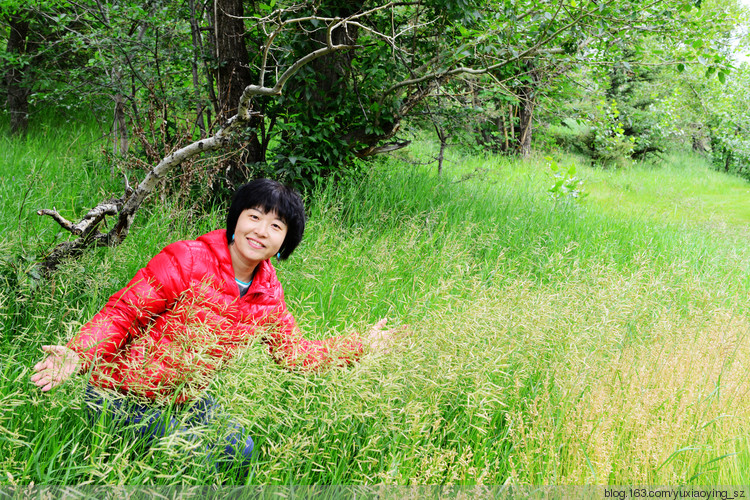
382,340
56,368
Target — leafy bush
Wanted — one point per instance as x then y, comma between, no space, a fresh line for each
567,185
601,137
606,141
730,152
569,135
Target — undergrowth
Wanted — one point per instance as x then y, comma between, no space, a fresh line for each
549,341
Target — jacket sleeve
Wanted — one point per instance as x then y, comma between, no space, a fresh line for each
149,293
290,349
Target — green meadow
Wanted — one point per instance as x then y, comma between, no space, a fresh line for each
548,341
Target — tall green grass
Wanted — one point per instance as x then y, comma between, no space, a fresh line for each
549,342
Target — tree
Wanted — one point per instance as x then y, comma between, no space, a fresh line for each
346,76
727,119
125,207
232,76
631,91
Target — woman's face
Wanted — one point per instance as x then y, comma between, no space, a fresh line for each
258,236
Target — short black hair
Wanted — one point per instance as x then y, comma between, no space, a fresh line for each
270,196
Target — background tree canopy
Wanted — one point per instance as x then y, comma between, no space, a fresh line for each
606,78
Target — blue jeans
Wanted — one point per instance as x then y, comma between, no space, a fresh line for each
152,421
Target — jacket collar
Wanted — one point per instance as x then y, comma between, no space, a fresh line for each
265,274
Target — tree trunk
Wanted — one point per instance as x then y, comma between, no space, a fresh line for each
15,77
332,70
195,35
120,142
232,76
477,123
233,73
441,155
443,136
120,126
526,119
527,97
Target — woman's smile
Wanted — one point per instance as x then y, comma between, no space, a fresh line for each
255,243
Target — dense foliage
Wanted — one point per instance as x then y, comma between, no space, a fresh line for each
160,74
729,128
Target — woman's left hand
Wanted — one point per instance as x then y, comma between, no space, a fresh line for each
382,340
59,365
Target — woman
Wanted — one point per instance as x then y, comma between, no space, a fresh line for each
182,317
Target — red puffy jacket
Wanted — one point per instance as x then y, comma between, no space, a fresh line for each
181,318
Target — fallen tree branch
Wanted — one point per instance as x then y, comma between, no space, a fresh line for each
91,219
